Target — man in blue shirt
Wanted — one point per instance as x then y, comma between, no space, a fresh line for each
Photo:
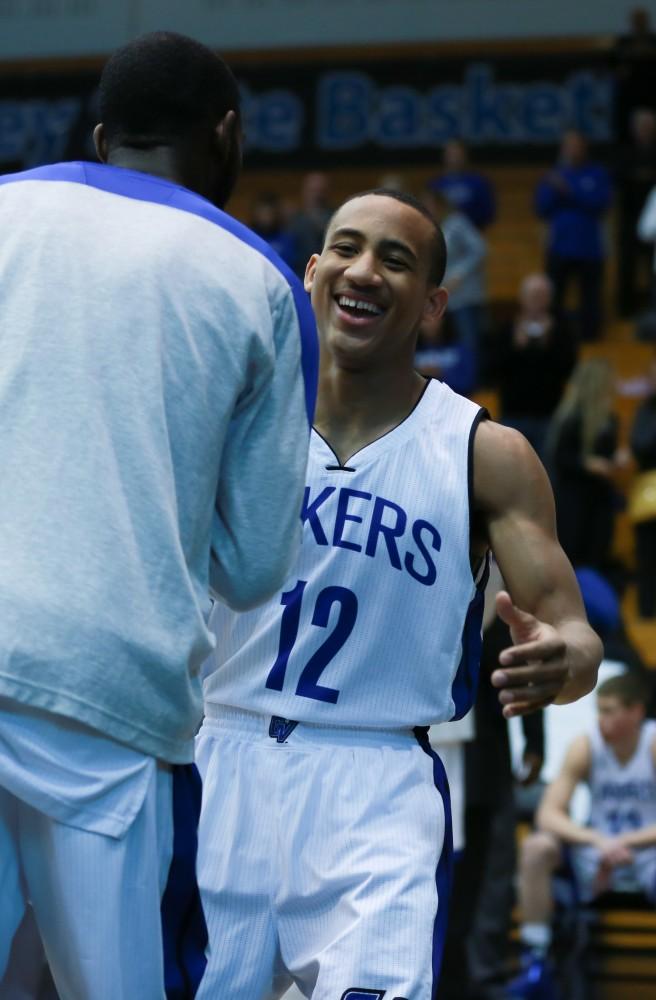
467,190
573,199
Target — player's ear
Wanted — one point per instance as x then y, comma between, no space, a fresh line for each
227,133
310,272
435,303
100,142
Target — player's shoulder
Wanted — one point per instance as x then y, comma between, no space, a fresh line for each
504,464
503,443
578,757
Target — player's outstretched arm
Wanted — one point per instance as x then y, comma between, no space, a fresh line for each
257,527
555,654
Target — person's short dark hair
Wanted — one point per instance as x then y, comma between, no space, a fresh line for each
438,256
160,87
629,688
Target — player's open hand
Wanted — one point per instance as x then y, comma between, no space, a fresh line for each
534,669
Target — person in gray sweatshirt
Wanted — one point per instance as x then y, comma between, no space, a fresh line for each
157,382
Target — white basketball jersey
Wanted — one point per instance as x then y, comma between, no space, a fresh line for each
623,796
379,623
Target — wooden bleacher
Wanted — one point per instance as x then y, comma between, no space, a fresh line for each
620,954
623,955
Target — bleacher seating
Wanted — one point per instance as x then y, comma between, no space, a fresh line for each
618,959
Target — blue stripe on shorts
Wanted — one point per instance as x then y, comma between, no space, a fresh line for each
444,873
183,925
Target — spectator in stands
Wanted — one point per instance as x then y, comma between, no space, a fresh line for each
642,505
468,190
465,272
636,176
533,357
308,225
268,221
440,354
634,56
616,849
640,41
582,457
573,199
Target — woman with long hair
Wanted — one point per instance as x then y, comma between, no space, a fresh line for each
581,448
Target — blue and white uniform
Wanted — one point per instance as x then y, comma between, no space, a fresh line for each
158,370
622,799
324,842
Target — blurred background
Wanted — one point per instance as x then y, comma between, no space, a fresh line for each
529,130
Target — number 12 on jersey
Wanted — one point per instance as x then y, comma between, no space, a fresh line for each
292,602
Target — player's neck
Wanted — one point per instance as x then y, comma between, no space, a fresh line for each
171,163
160,161
357,407
624,749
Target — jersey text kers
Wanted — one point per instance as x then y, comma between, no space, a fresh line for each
409,546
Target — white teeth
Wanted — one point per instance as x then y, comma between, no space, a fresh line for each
369,307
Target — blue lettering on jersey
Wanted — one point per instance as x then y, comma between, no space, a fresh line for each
639,791
379,518
431,573
343,516
309,513
308,686
618,821
388,531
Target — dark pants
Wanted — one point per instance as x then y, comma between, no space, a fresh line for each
645,536
488,940
588,275
635,263
481,904
585,512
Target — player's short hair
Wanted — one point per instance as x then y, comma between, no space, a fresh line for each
159,88
629,688
438,255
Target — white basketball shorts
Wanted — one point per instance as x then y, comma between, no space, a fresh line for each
103,925
639,876
324,859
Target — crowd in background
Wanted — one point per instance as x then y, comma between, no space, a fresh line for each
533,360
563,398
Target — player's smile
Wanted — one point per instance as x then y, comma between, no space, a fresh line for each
356,310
